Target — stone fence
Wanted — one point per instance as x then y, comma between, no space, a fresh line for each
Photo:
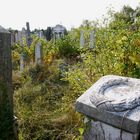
112,106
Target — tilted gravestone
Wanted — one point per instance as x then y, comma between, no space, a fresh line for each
113,106
6,91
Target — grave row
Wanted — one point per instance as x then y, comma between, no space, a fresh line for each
38,51
25,36
20,36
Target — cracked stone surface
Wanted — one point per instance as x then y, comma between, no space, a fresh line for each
113,100
102,131
117,94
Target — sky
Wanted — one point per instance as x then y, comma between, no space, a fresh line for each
43,13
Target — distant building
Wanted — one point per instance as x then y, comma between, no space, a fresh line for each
58,31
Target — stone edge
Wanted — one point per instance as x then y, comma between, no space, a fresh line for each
109,118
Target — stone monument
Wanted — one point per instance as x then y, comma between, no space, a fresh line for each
113,106
28,37
82,39
16,37
12,38
21,62
23,34
38,49
92,39
20,38
6,90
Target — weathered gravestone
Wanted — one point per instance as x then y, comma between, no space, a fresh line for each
23,33
82,41
6,92
21,62
92,39
12,38
28,38
113,106
22,40
38,49
18,38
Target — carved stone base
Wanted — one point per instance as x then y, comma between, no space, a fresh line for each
102,131
113,101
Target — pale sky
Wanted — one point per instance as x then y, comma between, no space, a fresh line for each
44,13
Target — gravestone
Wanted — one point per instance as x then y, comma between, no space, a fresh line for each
12,38
20,38
92,39
82,39
40,34
28,34
16,37
38,49
6,90
21,62
28,29
23,34
113,105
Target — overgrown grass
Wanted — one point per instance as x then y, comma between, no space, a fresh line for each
44,106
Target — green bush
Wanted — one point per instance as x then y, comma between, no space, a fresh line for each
67,48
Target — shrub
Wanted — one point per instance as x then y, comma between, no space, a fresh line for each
67,48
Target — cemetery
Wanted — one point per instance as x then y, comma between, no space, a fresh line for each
78,84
